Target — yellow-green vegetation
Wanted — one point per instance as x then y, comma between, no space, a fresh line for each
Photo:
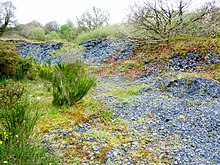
74,146
102,32
127,92
17,121
24,101
44,107
8,62
181,45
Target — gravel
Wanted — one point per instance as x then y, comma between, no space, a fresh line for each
98,51
194,121
41,51
192,60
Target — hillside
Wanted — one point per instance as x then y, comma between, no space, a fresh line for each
157,105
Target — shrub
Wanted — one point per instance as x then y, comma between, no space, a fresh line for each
36,34
24,65
8,62
10,92
16,126
98,33
68,31
53,36
44,71
16,120
70,83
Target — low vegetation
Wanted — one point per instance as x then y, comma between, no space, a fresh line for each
17,145
18,111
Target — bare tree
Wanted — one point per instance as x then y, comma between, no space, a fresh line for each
162,19
92,19
209,25
7,17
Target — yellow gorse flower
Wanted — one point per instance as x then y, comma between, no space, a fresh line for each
1,142
5,135
5,162
16,136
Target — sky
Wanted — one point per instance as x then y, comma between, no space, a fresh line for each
44,11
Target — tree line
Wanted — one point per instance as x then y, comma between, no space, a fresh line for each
153,20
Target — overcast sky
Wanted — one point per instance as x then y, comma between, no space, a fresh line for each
61,10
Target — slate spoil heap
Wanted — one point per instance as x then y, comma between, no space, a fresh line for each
98,51
180,115
41,51
192,61
186,109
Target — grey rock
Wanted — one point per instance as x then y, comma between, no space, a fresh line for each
40,51
98,51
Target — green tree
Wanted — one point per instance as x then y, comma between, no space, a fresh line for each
68,31
7,16
25,29
36,34
91,19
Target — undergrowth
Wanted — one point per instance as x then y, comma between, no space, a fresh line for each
17,121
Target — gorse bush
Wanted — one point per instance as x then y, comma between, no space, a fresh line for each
24,67
44,71
16,119
14,112
8,59
10,92
11,63
70,83
22,153
16,125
